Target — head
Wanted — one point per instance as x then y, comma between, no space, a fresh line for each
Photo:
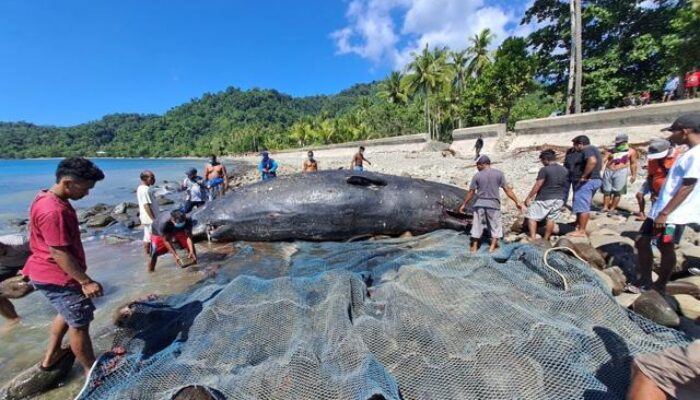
148,178
548,156
483,162
310,154
685,130
75,176
362,149
191,173
581,142
621,138
178,218
658,149
212,159
265,155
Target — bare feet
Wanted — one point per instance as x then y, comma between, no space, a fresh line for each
577,233
55,357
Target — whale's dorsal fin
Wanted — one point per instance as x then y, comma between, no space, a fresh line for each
359,180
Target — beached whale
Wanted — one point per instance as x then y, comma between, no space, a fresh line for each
332,205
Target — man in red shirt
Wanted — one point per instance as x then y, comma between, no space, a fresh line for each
57,266
692,82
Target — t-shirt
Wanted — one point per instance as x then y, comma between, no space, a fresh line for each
658,169
487,184
587,152
572,162
692,79
555,179
52,223
144,196
686,167
164,226
193,189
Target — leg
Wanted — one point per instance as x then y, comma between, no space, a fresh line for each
7,310
646,261
606,202
532,228
146,248
668,262
477,228
615,202
495,223
643,388
475,245
81,345
549,228
582,222
494,245
152,263
59,327
641,203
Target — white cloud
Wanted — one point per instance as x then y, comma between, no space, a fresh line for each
387,31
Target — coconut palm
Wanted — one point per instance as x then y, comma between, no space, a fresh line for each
393,89
428,72
478,52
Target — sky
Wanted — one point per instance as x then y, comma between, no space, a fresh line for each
73,61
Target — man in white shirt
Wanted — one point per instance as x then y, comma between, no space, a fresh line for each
148,212
678,204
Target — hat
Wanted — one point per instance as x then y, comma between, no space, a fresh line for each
686,121
622,138
658,148
264,153
191,171
582,139
483,160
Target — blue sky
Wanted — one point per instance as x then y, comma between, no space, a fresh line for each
72,61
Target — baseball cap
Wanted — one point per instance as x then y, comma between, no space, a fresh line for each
483,160
582,139
686,121
658,148
622,138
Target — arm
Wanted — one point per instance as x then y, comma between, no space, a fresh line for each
70,266
468,198
368,162
190,248
634,164
535,189
260,167
591,162
170,248
274,166
685,190
511,195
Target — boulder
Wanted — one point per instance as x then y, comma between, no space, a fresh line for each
653,306
587,252
678,287
618,279
689,306
122,208
607,281
164,201
99,221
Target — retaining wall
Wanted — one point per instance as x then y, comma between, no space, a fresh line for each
419,139
464,139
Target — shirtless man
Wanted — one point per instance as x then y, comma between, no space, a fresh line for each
215,174
310,164
620,161
357,159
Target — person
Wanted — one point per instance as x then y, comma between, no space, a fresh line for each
573,162
670,88
310,164
487,207
547,190
267,166
586,184
660,159
620,164
14,251
644,99
670,373
692,82
57,267
357,159
216,178
478,146
193,185
148,210
168,228
676,206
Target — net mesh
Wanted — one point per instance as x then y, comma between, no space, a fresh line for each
416,318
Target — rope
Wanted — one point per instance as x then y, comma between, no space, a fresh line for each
563,278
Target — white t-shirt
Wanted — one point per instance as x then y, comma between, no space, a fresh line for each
193,190
144,196
686,166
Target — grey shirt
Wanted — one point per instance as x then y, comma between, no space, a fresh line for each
487,184
555,180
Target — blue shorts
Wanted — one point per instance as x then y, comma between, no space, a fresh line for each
358,168
215,182
583,196
69,302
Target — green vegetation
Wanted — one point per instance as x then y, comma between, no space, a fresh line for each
627,48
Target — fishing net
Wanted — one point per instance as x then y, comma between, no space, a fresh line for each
417,318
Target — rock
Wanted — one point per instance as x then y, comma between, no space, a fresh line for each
518,225
99,221
122,208
689,306
677,287
618,279
406,234
584,250
695,280
607,281
539,242
34,380
164,201
15,287
620,253
17,221
653,306
626,299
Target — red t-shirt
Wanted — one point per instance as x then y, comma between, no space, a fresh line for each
692,79
52,223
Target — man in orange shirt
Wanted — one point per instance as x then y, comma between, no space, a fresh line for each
660,158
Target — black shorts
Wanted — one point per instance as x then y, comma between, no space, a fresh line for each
648,229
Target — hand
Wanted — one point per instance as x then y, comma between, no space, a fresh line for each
177,258
192,257
521,207
660,221
528,202
91,289
461,209
633,178
583,180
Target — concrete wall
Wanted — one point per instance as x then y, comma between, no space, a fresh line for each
640,123
419,138
463,139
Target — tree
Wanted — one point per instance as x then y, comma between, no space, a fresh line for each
428,72
393,89
478,52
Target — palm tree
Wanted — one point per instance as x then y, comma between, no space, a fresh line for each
393,89
478,52
428,73
458,63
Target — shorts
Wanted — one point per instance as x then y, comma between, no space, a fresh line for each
541,209
147,232
615,181
215,182
648,229
487,218
358,168
644,189
69,302
675,370
583,196
158,243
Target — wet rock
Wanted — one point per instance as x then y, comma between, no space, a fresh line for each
164,201
99,221
678,287
607,281
689,306
15,287
122,208
584,250
653,306
35,380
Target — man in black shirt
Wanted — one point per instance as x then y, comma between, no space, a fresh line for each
172,227
587,182
478,146
547,191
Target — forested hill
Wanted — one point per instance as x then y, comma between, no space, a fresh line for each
225,122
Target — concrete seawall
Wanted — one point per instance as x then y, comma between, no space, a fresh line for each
463,139
410,140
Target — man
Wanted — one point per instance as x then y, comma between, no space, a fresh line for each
678,204
148,210
573,162
586,184
670,88
193,186
660,159
357,159
14,251
172,227
57,266
620,162
478,146
671,373
216,178
267,166
310,165
487,207
692,82
550,183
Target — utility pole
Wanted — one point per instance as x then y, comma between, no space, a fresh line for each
574,88
579,58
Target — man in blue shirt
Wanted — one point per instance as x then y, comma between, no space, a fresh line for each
670,88
267,166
